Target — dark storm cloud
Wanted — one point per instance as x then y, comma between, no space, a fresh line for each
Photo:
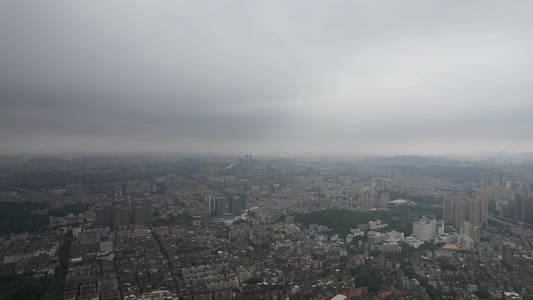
338,76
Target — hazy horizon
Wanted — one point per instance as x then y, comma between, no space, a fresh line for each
348,78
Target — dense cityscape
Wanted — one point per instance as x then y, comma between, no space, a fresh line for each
252,227
272,150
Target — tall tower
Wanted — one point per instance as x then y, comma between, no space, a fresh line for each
148,208
458,209
138,213
237,205
448,209
460,213
100,216
528,210
474,211
484,211
220,207
117,216
211,205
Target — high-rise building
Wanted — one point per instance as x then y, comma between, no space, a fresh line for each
425,229
246,164
458,209
471,230
211,205
380,184
519,209
216,206
461,207
484,210
523,209
138,214
384,200
104,215
220,207
142,210
237,205
374,197
351,194
422,230
100,216
365,200
474,212
121,216
123,212
448,210
528,210
148,208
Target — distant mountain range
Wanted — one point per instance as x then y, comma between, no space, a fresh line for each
413,160
480,154
414,165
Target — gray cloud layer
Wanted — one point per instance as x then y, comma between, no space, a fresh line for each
354,76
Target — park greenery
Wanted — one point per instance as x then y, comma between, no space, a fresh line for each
429,201
483,294
17,217
342,221
74,209
370,277
29,286
161,188
26,286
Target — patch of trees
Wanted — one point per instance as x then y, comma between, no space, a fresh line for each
26,286
483,294
64,211
496,224
425,205
341,221
431,246
263,245
417,210
16,217
446,266
161,188
254,281
369,277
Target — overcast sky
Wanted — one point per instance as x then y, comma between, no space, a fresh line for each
362,77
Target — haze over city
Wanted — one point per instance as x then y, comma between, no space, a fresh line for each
231,150
378,77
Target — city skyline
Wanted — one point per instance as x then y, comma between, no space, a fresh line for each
302,77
